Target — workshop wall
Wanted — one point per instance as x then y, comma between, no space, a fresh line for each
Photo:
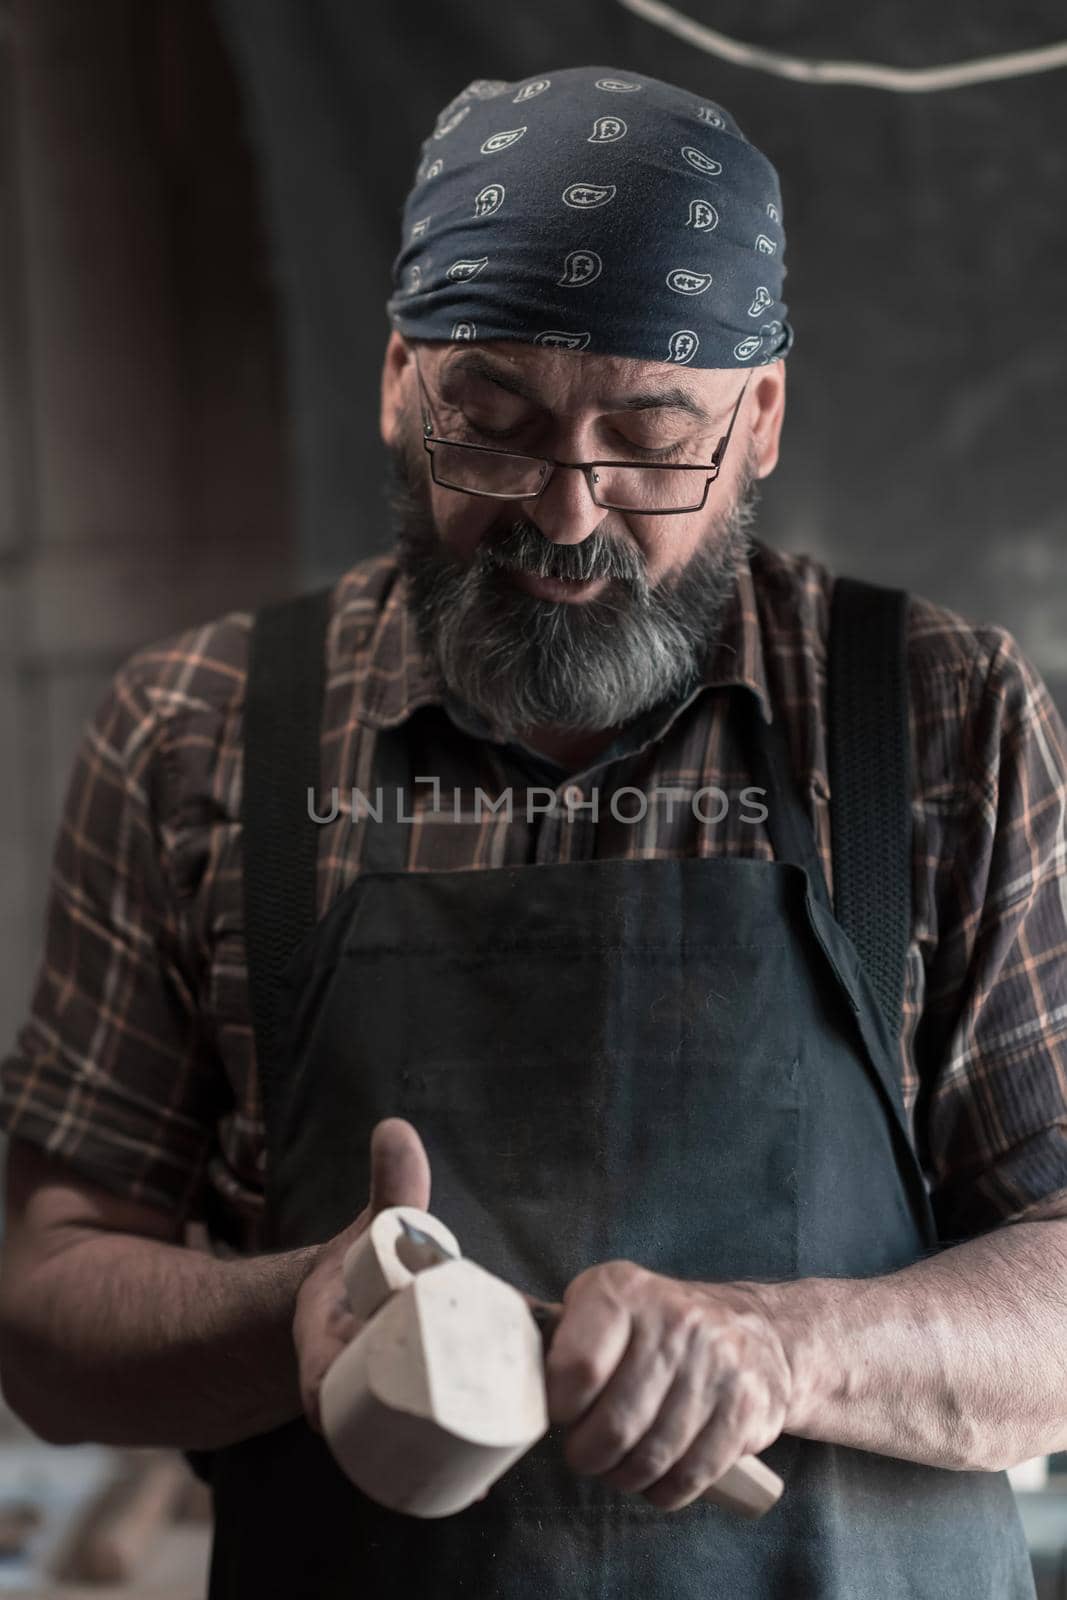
143,480
143,488
926,234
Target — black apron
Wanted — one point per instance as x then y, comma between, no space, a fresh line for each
683,1063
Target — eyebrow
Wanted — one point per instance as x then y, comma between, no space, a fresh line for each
477,365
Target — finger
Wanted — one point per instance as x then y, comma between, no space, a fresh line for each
590,1341
715,1448
317,1362
680,1418
629,1405
399,1167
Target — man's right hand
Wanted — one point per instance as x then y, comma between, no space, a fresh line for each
322,1323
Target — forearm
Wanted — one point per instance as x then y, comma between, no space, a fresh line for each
130,1341
957,1361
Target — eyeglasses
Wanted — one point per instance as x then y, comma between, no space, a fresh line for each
653,490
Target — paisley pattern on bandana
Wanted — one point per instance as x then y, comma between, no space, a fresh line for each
594,209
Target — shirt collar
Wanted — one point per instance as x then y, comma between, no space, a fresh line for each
392,676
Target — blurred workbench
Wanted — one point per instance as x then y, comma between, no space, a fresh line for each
141,1511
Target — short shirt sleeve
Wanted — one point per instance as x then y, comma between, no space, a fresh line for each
993,1033
107,1069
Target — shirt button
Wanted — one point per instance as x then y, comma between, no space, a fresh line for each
572,795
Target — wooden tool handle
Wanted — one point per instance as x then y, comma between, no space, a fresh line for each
749,1487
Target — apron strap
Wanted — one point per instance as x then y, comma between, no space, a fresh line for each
771,762
869,746
279,839
869,756
384,846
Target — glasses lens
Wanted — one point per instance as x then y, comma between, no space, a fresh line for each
649,488
486,471
617,488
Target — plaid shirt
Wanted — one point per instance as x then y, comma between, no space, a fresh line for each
136,1061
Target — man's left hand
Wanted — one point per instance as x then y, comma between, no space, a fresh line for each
666,1382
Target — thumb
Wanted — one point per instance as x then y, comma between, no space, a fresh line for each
399,1167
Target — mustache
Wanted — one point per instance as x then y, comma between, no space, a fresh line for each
524,548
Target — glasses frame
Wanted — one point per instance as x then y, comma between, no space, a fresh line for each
430,438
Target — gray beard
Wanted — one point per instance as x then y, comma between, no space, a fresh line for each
526,663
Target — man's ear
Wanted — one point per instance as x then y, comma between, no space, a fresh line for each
767,415
396,361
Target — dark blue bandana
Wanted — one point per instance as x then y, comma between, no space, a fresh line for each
594,209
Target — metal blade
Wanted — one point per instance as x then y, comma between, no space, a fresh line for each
419,1250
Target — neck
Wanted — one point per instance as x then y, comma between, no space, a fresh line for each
573,750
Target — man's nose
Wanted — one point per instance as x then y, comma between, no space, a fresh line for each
565,510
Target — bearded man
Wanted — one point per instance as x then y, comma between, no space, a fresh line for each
694,917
